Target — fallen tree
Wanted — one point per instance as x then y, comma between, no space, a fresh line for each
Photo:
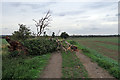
16,46
64,45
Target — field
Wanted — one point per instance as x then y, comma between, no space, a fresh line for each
100,50
107,46
3,43
103,51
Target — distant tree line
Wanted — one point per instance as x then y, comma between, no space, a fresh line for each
94,36
3,36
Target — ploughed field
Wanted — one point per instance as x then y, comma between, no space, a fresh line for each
107,46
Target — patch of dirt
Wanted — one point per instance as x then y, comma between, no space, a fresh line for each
94,71
108,42
54,68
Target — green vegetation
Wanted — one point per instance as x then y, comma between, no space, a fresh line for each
3,45
107,63
53,34
64,35
40,46
72,67
23,33
24,67
27,66
3,41
105,49
108,46
107,39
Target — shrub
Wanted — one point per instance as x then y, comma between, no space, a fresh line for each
23,33
40,46
64,35
115,71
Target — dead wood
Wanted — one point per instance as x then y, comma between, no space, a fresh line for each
16,45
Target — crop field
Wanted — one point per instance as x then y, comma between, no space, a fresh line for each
3,41
107,46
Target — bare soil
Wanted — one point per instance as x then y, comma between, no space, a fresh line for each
108,43
112,53
94,71
54,68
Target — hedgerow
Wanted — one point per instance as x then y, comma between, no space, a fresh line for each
40,46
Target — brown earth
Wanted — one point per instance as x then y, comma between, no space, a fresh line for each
93,69
54,68
108,42
102,49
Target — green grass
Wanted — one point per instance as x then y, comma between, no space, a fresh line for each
72,67
108,50
3,41
24,66
108,39
108,46
107,63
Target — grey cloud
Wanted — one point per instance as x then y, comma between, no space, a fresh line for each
95,28
69,13
110,19
97,5
32,5
107,15
117,14
5,28
15,4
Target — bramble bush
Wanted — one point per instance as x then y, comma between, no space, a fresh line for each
40,46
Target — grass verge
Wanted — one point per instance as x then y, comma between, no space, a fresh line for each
72,67
24,67
107,63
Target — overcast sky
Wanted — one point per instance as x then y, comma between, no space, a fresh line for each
71,17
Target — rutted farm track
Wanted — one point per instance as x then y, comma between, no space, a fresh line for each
54,68
93,69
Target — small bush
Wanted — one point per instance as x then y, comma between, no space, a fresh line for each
105,64
115,71
40,46
64,35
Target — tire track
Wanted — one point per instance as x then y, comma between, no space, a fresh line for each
54,68
93,69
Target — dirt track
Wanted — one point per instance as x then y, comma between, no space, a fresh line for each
54,68
93,69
